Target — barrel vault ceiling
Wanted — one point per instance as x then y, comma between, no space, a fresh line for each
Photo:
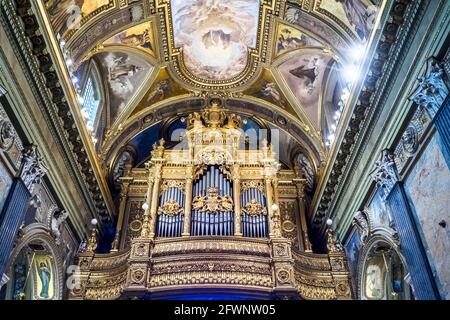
295,62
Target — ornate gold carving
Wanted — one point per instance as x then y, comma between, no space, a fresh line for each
212,202
252,184
283,276
254,208
170,208
167,184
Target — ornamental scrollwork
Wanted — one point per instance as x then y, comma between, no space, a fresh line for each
212,202
167,184
252,184
385,173
33,168
254,208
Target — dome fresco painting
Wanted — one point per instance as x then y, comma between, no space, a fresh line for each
224,149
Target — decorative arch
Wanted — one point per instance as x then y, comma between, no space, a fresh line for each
167,109
38,233
385,239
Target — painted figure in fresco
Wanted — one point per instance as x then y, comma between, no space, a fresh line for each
160,90
359,16
373,289
270,90
287,42
122,68
45,276
138,40
307,72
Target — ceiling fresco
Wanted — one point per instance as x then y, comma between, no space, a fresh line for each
282,55
304,75
215,35
123,73
140,36
289,38
358,15
66,15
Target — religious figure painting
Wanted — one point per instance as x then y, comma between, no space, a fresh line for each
374,284
380,211
44,277
359,15
215,36
124,74
66,15
138,36
289,38
304,75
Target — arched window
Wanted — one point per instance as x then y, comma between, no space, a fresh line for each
91,100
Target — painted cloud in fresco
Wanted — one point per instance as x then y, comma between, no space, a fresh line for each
215,35
138,36
67,14
304,75
124,74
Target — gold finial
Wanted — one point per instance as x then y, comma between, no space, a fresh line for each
92,244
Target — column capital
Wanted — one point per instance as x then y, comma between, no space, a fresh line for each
33,168
385,172
431,90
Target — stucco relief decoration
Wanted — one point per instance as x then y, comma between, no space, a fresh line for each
137,276
7,134
410,139
33,168
58,219
385,173
284,276
432,89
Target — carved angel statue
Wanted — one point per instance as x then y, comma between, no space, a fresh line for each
362,224
58,219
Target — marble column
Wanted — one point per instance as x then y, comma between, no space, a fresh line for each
411,245
18,201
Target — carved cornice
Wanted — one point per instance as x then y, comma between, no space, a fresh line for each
31,48
389,50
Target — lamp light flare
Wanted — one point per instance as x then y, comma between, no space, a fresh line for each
351,73
357,53
94,222
329,222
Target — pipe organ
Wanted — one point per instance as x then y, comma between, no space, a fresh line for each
212,215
